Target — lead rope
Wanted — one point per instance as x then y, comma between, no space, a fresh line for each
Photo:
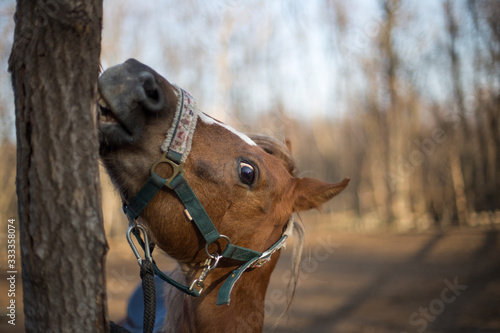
149,292
147,273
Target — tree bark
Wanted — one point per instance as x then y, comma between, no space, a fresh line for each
55,65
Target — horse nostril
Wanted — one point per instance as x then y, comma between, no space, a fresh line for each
152,97
148,80
152,94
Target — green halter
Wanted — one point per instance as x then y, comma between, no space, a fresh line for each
176,149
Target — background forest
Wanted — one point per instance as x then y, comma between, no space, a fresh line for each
401,96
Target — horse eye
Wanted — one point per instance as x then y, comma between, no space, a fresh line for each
247,173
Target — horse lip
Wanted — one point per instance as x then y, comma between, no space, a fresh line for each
107,115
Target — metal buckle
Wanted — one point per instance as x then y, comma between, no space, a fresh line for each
206,269
261,262
176,168
147,251
266,255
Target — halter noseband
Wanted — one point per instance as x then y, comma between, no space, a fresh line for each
176,148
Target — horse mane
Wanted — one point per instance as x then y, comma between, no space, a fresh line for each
298,247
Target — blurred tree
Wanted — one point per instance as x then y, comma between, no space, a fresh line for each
54,65
6,29
486,102
459,155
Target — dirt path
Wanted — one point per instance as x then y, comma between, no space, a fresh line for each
397,283
357,283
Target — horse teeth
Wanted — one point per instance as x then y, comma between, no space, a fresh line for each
105,113
102,102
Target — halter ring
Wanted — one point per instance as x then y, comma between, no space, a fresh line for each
216,254
177,168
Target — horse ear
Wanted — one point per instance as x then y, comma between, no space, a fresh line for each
312,193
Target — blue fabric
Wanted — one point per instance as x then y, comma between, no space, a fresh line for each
135,308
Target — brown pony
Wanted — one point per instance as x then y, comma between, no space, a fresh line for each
247,185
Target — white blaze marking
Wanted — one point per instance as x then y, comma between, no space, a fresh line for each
209,121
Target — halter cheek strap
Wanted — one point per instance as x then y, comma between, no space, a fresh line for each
176,148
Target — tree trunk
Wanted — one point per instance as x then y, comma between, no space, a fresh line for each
54,65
